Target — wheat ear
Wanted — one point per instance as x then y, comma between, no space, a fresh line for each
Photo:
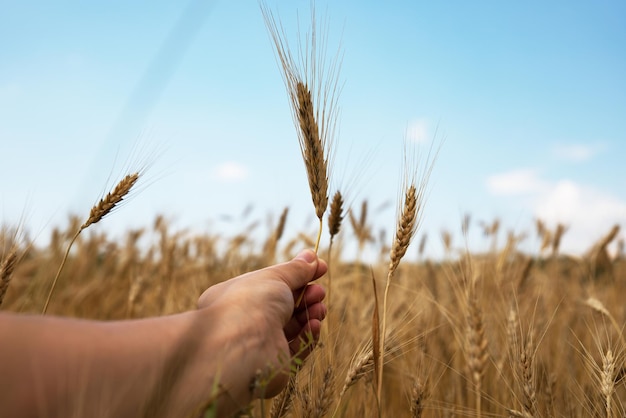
283,402
599,307
526,363
607,381
6,271
313,153
98,211
405,230
419,394
361,366
409,219
271,244
336,214
476,345
407,224
112,199
335,217
324,399
313,89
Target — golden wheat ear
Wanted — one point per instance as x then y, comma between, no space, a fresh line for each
408,221
312,86
315,160
312,150
335,217
98,211
405,230
111,200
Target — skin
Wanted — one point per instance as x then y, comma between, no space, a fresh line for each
240,344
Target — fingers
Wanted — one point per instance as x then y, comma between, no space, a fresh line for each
303,269
312,294
296,273
317,311
303,344
309,308
300,319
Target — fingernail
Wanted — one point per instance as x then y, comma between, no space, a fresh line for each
307,255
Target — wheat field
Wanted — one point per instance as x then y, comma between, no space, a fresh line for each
503,333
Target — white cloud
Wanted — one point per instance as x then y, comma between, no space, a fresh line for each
515,182
417,131
575,152
588,211
230,171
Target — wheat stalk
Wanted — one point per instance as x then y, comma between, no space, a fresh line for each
335,217
556,239
272,241
361,229
598,255
610,236
282,221
98,211
446,238
377,345
422,245
313,89
408,221
405,230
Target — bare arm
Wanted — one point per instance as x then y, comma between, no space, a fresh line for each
166,366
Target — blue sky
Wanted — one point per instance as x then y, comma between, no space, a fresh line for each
529,96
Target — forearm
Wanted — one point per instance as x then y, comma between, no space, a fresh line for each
153,367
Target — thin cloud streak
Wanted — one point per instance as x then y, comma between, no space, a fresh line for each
230,171
417,131
515,182
576,152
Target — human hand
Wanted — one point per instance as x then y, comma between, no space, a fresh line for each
259,308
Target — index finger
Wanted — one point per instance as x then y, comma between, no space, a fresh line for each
301,270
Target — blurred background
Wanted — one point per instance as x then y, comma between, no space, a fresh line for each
527,99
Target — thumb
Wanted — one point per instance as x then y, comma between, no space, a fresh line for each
305,267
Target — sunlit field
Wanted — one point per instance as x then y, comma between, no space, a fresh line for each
517,330
502,333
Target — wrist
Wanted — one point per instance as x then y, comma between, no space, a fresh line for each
220,360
